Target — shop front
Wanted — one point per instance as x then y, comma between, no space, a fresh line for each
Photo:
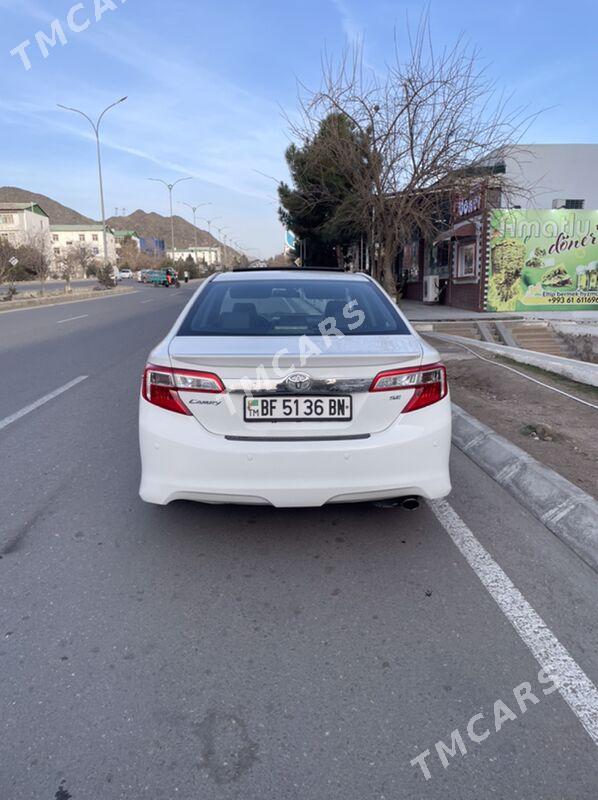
542,260
499,259
450,269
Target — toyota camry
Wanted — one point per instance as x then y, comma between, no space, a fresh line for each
293,388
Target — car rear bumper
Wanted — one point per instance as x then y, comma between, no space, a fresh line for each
182,461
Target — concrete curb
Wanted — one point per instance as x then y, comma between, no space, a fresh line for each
580,371
562,507
62,299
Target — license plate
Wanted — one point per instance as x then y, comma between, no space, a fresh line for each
298,409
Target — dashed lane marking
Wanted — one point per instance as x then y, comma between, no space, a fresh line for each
42,401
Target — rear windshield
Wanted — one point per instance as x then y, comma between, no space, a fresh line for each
283,307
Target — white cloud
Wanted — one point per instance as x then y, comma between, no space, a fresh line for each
352,29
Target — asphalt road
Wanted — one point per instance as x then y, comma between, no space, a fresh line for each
255,654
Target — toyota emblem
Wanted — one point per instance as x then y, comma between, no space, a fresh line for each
298,382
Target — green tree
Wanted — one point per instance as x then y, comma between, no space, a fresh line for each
320,207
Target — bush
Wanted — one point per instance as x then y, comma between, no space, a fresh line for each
10,293
105,276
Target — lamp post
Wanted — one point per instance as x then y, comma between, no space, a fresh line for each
210,221
223,240
170,187
96,130
194,210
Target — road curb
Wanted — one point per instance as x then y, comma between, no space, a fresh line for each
562,507
9,306
571,368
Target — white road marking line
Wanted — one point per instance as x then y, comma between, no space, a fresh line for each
576,689
71,319
46,399
146,301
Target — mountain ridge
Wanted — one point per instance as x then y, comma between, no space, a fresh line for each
151,225
58,213
148,224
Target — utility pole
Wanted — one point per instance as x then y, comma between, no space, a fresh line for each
194,210
96,130
170,187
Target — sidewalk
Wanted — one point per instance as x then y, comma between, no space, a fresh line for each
551,427
416,311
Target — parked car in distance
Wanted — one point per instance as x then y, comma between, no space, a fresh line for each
293,388
125,274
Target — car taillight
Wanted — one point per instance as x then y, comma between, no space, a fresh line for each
428,382
161,386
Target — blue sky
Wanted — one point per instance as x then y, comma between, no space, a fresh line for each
207,81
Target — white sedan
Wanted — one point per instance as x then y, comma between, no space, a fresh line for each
125,274
293,388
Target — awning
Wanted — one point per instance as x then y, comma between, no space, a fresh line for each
458,231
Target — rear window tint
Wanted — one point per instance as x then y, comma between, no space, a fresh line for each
281,307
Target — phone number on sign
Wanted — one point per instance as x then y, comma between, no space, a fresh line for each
573,299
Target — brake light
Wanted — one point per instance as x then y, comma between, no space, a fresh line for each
428,382
161,386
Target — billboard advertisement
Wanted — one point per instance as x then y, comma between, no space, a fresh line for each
543,260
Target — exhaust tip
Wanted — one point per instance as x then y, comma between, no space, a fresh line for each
410,503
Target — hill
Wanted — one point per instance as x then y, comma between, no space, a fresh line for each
153,225
147,225
59,214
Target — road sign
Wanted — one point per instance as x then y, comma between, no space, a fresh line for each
290,240
299,262
13,261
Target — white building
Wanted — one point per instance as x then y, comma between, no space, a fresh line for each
89,235
24,223
123,236
208,255
553,176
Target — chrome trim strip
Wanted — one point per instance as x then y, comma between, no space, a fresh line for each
324,387
347,438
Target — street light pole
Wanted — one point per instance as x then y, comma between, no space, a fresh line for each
220,230
194,210
210,221
170,187
96,130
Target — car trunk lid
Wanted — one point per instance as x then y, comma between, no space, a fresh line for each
341,366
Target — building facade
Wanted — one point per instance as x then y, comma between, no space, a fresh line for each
533,247
89,235
120,237
209,255
156,248
24,223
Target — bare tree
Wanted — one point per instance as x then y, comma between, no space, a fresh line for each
7,269
79,260
430,124
37,257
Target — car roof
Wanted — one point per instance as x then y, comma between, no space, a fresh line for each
290,274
